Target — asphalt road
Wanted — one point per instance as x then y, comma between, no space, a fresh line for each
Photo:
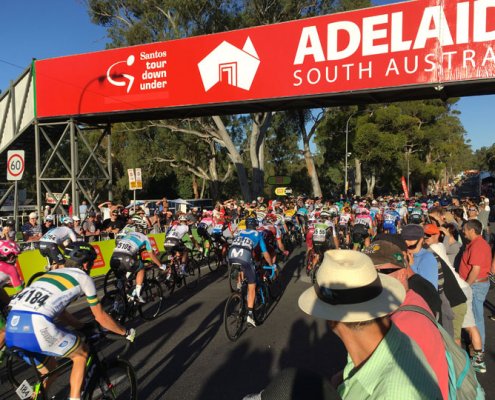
184,353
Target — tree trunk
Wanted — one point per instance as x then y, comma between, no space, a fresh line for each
310,166
261,123
358,177
203,186
370,185
195,186
235,157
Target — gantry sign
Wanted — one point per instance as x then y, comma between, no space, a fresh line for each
413,50
419,44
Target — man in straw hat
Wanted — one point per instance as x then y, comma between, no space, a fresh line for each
383,363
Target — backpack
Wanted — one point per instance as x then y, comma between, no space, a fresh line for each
463,384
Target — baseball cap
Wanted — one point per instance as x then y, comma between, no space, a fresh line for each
33,215
76,218
412,232
49,218
383,253
431,229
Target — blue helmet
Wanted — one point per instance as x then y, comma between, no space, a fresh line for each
251,223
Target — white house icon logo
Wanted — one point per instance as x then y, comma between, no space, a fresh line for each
228,63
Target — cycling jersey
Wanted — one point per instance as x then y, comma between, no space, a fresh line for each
59,235
364,219
178,231
390,219
9,275
345,219
133,243
205,227
241,251
30,323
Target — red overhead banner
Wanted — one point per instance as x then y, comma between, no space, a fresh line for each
403,44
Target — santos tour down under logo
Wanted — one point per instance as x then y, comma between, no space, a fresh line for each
229,63
121,79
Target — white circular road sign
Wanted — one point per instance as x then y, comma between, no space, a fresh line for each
15,165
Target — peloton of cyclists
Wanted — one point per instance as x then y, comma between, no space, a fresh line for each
54,241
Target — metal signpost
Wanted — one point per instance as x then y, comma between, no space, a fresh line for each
15,170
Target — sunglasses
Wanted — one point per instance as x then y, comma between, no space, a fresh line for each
413,246
472,209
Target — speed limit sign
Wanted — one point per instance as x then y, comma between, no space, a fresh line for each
15,165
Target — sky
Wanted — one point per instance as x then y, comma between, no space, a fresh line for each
51,28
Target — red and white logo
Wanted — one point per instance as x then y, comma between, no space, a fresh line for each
229,63
121,79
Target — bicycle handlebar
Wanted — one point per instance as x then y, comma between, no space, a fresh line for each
271,268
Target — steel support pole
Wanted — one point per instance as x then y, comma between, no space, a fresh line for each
16,205
73,167
37,152
109,162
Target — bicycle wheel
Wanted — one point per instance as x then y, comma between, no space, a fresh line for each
275,289
115,304
110,282
193,274
233,316
168,285
35,277
233,277
153,297
116,381
18,371
213,261
260,303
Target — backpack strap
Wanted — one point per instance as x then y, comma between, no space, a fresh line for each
419,310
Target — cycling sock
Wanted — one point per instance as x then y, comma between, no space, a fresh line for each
250,311
74,398
138,290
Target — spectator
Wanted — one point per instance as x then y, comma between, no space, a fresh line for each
451,242
8,231
388,259
31,230
474,269
357,303
48,224
83,209
77,225
105,209
112,225
89,228
483,216
46,211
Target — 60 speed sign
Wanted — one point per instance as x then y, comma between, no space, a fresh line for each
15,165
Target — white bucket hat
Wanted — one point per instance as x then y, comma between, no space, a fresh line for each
348,289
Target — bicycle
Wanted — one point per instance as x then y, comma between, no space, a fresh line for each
104,378
236,310
172,276
122,305
218,251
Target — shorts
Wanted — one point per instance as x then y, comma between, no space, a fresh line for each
469,320
174,244
359,234
321,247
243,257
38,335
391,228
122,262
459,313
203,231
52,251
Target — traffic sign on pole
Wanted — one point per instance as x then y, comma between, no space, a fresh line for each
139,180
132,179
280,191
15,165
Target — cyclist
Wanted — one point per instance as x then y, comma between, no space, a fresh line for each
9,276
128,255
241,252
416,216
323,238
31,326
54,241
362,229
345,220
174,241
391,220
204,229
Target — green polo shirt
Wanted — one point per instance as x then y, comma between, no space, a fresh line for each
397,369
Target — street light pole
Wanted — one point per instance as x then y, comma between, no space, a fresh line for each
346,183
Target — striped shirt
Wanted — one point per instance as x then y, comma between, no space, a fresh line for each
397,369
54,291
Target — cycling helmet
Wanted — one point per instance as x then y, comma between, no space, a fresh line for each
182,218
9,251
78,253
67,221
251,223
271,218
325,214
364,210
139,223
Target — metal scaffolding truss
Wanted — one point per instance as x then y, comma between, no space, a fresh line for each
67,159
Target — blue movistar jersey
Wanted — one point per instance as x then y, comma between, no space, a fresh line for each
254,236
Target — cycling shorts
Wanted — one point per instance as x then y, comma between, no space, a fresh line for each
321,247
52,251
174,244
122,262
38,335
390,227
243,257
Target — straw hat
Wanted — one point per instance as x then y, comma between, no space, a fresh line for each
349,289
